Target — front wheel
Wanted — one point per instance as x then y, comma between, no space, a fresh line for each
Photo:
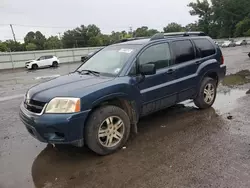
206,94
107,130
34,66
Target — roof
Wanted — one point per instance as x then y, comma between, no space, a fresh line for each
161,36
139,41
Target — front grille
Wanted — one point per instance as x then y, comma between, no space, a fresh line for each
34,106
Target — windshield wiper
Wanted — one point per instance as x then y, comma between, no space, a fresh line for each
95,73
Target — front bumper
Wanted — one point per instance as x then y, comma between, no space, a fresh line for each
28,66
55,128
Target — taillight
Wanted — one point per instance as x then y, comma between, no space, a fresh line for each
222,60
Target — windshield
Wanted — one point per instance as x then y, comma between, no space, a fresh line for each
109,60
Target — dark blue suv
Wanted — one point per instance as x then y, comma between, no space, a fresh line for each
100,104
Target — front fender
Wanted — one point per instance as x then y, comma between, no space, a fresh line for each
110,97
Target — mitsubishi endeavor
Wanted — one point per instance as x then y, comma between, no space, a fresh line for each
101,102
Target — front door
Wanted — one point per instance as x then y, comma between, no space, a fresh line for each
158,91
42,61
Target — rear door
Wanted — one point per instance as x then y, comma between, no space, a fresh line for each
185,65
48,60
157,91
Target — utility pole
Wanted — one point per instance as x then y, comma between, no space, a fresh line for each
131,30
59,34
13,33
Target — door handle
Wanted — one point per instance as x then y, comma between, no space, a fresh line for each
170,71
198,62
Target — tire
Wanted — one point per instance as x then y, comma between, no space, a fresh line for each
97,125
34,66
201,101
55,64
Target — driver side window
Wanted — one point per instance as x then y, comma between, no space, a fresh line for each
158,54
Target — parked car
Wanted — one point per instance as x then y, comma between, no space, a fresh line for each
228,44
100,104
86,57
241,42
43,61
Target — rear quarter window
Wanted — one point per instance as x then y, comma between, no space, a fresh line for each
183,50
49,57
205,47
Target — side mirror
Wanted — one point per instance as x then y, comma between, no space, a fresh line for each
147,69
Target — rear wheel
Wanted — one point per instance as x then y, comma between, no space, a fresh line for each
34,66
207,93
55,64
107,130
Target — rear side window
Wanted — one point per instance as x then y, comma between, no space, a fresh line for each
205,47
183,50
158,54
49,57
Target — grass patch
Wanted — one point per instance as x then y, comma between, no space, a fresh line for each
240,78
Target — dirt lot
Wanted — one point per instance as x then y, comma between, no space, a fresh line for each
177,147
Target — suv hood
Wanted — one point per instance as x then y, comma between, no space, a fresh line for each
27,62
64,86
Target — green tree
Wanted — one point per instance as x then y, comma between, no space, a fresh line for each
242,27
115,36
3,47
247,33
53,42
173,27
105,40
31,47
144,31
192,27
30,37
227,14
151,32
36,38
14,46
82,37
204,11
141,32
40,40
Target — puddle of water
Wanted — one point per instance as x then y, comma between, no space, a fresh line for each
226,100
239,78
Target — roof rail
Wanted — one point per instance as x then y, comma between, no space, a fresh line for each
177,34
130,39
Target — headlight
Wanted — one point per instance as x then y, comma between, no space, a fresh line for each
63,105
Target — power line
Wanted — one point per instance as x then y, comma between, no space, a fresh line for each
4,24
62,27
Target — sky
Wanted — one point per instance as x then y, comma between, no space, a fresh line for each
52,17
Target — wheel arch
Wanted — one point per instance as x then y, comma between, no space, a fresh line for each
122,102
212,74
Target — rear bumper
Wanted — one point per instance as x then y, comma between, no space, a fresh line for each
222,72
55,128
